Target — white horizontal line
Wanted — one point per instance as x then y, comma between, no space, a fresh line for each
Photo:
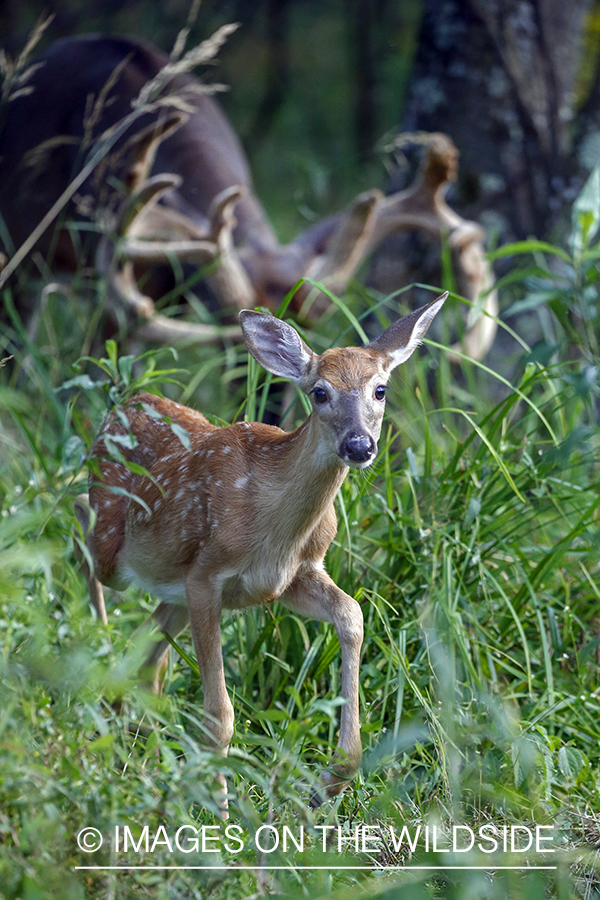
329,868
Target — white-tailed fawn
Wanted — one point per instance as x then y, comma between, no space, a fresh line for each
239,516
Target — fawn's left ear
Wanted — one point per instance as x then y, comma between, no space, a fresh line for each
400,340
276,345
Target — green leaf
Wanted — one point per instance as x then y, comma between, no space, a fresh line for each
112,353
531,301
81,381
532,246
586,214
73,451
125,367
129,441
182,435
571,762
102,743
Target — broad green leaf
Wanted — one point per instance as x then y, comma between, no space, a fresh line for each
586,214
532,246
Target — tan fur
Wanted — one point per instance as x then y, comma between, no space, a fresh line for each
345,368
211,518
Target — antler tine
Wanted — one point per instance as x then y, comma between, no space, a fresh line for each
229,280
423,206
478,283
141,148
121,280
221,215
144,198
349,243
163,252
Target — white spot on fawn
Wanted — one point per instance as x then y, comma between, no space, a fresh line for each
241,481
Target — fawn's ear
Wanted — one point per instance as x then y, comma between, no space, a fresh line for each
275,345
400,340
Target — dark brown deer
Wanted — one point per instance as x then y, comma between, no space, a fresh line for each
106,129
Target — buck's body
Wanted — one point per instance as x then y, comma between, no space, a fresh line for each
246,539
44,144
177,186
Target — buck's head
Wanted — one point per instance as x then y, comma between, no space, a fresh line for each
346,385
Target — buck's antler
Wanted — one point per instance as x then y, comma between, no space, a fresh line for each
150,234
373,217
194,223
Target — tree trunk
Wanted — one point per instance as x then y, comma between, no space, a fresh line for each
499,77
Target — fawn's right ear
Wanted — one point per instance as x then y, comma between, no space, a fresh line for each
276,345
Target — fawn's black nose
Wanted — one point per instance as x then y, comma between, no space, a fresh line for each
358,448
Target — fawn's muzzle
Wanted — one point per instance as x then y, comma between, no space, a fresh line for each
358,448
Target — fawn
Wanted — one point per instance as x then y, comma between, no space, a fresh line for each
238,516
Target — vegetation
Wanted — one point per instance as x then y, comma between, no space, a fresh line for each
473,545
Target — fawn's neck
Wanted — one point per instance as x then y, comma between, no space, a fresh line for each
302,482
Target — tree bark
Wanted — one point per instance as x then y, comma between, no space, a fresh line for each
500,77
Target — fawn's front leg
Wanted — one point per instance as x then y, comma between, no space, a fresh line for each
205,623
316,596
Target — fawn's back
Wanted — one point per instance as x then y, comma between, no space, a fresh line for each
222,498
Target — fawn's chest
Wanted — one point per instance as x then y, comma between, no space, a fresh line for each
274,561
253,569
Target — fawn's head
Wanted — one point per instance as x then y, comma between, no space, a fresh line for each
346,385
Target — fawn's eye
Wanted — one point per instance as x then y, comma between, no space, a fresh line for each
380,392
320,395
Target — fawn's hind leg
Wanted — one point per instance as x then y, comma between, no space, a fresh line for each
82,513
171,618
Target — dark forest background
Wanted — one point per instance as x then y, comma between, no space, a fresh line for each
318,90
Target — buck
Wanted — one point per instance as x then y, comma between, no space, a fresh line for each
95,112
237,516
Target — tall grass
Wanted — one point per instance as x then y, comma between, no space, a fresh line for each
473,545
